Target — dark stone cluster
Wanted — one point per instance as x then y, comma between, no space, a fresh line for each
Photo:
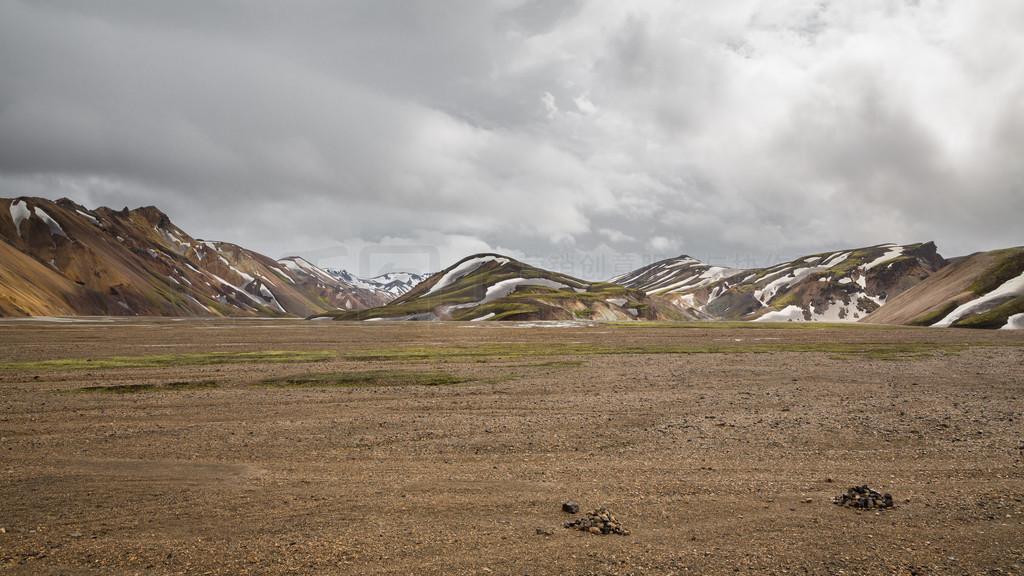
864,498
599,521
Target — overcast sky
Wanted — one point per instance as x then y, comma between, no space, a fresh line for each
585,136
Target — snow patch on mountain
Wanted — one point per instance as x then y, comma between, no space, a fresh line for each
795,276
463,269
894,252
197,302
19,213
269,296
1015,322
506,287
266,297
1011,288
787,314
90,218
172,239
674,275
303,266
291,264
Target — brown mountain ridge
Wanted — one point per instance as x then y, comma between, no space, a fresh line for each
58,258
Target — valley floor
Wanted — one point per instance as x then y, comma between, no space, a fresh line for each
273,447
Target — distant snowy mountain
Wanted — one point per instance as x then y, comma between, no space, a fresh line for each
394,284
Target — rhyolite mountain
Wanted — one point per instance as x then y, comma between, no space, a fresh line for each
495,287
884,284
674,276
840,286
983,290
58,258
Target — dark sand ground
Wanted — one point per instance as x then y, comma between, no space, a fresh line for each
719,447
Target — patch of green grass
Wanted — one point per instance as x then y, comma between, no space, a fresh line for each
393,310
501,309
218,306
166,360
933,317
1010,264
790,298
557,363
870,350
136,388
867,305
746,325
363,379
543,293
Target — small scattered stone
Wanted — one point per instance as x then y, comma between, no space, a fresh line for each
3,530
76,534
864,498
570,507
544,532
600,521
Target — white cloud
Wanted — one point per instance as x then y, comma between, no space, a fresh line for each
548,100
583,104
616,235
665,244
741,128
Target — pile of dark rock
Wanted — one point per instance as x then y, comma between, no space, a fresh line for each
864,498
600,521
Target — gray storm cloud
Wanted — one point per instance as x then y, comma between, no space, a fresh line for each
546,130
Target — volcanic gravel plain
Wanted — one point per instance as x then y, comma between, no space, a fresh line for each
152,446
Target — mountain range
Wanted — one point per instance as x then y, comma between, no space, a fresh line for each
61,259
832,286
887,284
496,287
